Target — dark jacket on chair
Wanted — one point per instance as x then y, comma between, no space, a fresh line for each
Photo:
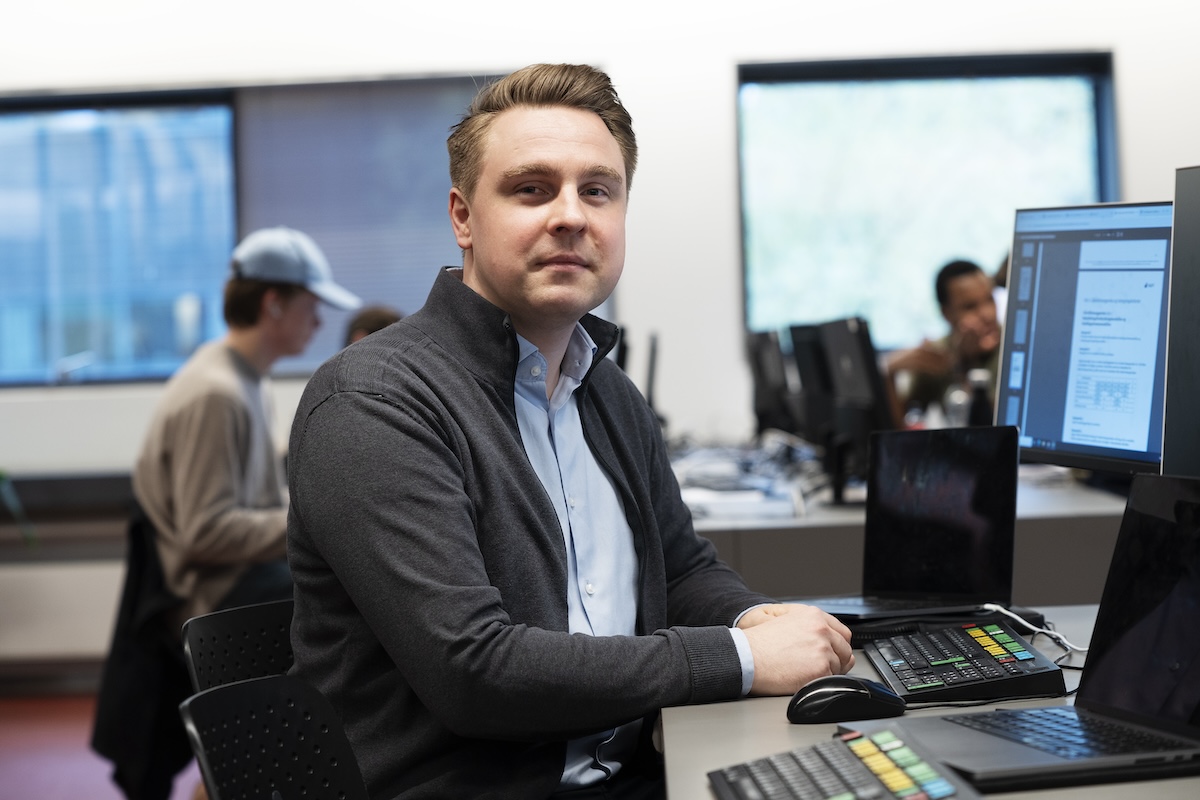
145,678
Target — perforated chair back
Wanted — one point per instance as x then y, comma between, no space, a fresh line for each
271,738
238,643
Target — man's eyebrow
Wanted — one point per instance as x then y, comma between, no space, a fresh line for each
539,169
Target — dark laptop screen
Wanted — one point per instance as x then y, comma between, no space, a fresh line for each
941,506
1144,658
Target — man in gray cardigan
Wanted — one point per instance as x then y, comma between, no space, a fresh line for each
498,585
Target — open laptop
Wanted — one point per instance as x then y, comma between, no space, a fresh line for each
1142,674
940,514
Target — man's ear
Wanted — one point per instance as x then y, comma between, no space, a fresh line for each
272,304
460,218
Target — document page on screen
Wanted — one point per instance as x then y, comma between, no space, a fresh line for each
1119,300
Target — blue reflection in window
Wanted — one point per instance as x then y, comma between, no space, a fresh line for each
115,232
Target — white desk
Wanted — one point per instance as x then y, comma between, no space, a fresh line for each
1058,522
699,739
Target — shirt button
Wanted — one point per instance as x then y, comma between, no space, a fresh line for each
535,371
571,502
589,588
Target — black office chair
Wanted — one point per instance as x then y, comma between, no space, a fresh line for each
274,738
238,643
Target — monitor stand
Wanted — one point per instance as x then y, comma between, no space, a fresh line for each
846,450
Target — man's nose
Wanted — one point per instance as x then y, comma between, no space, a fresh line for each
568,213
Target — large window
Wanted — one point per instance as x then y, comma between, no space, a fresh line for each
118,213
363,169
859,180
112,221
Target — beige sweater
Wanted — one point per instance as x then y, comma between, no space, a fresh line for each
211,478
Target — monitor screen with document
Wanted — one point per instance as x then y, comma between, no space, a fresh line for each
1084,352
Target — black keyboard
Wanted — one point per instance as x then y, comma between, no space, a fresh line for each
879,765
969,661
1062,732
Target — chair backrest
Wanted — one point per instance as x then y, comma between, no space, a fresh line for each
274,738
238,643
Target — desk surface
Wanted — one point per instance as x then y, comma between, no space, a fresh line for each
699,739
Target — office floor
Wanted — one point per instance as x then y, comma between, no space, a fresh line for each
44,752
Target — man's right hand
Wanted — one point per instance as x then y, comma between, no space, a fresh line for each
793,644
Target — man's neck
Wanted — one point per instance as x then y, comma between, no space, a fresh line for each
250,345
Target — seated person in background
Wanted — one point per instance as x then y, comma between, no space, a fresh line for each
965,296
209,475
368,320
497,582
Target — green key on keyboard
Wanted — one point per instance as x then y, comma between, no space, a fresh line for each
853,766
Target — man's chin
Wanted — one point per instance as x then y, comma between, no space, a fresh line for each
574,300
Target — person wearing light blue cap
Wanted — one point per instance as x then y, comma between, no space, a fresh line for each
211,502
210,475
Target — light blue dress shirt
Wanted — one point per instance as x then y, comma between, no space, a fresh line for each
602,567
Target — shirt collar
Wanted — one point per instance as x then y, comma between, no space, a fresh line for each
581,349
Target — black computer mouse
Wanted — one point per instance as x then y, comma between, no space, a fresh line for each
841,698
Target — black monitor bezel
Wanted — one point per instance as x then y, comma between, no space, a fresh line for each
854,334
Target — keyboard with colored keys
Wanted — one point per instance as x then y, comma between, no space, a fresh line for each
852,766
969,661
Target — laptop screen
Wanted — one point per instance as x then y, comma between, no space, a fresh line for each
1144,659
941,506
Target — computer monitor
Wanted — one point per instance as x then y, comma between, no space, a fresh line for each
772,408
1084,348
816,399
861,403
1181,424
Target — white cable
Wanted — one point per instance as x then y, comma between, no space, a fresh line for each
1055,635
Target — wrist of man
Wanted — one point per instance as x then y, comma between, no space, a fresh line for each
745,656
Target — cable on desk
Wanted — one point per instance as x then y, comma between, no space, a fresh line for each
1054,635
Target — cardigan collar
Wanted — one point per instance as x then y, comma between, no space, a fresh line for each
462,321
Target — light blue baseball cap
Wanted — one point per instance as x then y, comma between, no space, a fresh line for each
285,255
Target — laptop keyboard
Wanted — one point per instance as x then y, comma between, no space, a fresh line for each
1062,732
880,765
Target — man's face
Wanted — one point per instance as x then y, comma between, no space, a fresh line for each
971,311
296,321
544,232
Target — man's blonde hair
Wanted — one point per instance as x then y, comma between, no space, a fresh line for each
569,85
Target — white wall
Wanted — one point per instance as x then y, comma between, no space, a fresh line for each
675,67
58,611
